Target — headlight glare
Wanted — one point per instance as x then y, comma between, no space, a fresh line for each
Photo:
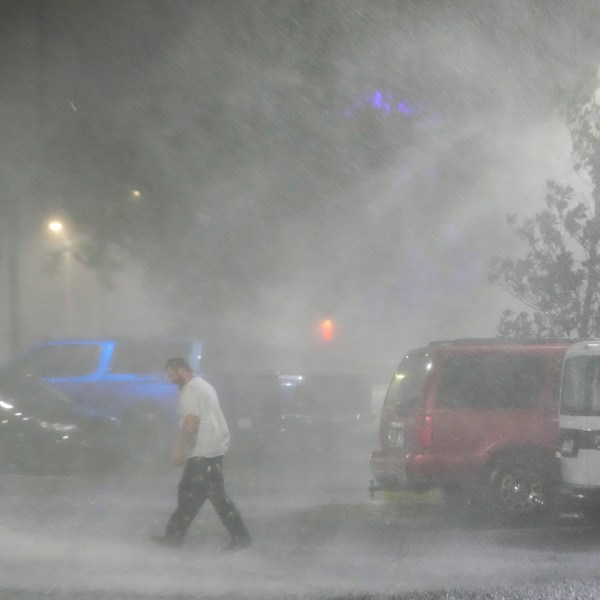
60,427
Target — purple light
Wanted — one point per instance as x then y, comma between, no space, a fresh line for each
404,109
382,101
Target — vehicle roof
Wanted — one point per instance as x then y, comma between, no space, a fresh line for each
585,347
497,342
504,341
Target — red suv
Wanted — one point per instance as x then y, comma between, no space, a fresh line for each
477,418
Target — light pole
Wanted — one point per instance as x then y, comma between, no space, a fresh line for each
57,228
13,266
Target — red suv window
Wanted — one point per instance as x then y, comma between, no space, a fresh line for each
491,380
405,390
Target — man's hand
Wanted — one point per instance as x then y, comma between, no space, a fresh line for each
178,457
189,429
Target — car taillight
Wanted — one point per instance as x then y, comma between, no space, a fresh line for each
424,426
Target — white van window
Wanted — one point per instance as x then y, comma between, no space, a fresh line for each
580,393
490,380
407,385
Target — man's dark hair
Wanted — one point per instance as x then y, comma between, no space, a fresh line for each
178,362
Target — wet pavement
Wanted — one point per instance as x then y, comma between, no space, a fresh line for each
317,534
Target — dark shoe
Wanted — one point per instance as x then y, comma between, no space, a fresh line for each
238,544
169,542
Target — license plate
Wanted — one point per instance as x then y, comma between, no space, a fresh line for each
396,435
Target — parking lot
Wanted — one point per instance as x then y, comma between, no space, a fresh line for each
316,531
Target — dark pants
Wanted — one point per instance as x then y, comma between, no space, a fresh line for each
203,479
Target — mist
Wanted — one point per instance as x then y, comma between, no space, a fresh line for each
390,238
294,161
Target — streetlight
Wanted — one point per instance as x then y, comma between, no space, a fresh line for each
57,228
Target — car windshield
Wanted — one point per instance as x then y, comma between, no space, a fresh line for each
580,393
33,398
407,384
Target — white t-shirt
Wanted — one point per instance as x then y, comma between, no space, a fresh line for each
199,398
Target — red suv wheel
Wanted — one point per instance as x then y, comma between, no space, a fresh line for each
519,488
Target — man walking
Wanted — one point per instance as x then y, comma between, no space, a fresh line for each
202,441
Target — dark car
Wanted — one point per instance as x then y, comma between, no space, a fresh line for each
41,431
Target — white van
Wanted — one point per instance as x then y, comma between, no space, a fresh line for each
579,421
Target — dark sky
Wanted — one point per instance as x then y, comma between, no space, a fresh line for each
345,159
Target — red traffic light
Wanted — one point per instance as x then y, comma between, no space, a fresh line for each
326,329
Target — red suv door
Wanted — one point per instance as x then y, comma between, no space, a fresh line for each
487,400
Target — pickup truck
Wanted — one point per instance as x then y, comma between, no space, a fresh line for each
118,379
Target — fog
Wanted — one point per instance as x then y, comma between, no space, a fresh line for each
294,161
387,232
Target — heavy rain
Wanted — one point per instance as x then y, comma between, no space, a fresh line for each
311,189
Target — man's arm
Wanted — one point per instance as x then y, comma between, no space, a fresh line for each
189,428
